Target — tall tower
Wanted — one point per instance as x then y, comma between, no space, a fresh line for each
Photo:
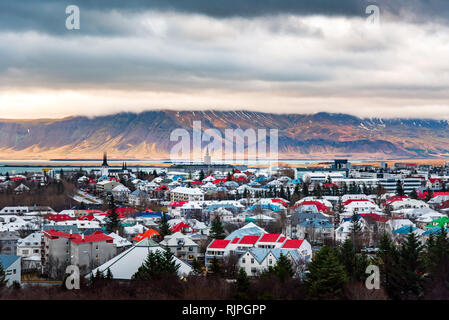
207,157
105,166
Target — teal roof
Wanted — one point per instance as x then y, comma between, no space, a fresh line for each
404,230
6,260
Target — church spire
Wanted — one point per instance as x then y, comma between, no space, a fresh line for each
105,160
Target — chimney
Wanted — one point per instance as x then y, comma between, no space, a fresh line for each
71,231
82,236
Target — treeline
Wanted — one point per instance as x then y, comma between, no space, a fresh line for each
55,195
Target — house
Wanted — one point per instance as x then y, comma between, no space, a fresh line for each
257,260
106,186
120,242
120,193
186,194
126,264
315,229
87,252
12,266
182,246
137,198
30,250
21,188
251,236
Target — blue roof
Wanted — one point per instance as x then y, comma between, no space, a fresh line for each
261,253
358,216
150,214
7,260
317,223
434,231
271,207
404,230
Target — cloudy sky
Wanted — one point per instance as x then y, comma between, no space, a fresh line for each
289,56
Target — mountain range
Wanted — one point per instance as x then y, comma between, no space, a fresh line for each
146,135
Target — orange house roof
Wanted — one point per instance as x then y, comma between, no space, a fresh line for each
147,234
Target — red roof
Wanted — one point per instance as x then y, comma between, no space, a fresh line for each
292,244
17,178
284,203
77,238
435,179
92,180
180,227
434,194
88,218
97,236
219,244
355,200
396,198
161,188
320,206
59,217
197,182
375,217
219,180
177,203
56,234
269,237
249,240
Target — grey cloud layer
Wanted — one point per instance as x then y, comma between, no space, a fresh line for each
48,15
300,54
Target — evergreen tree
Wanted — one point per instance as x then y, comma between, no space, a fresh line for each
282,193
242,285
201,175
164,228
215,266
387,258
197,267
305,189
112,220
429,194
356,229
399,189
284,268
217,231
326,277
355,264
413,194
317,191
157,264
437,258
411,266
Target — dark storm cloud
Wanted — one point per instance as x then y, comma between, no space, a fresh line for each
49,15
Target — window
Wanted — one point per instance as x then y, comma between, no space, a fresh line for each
14,271
36,251
270,261
252,260
243,260
24,251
